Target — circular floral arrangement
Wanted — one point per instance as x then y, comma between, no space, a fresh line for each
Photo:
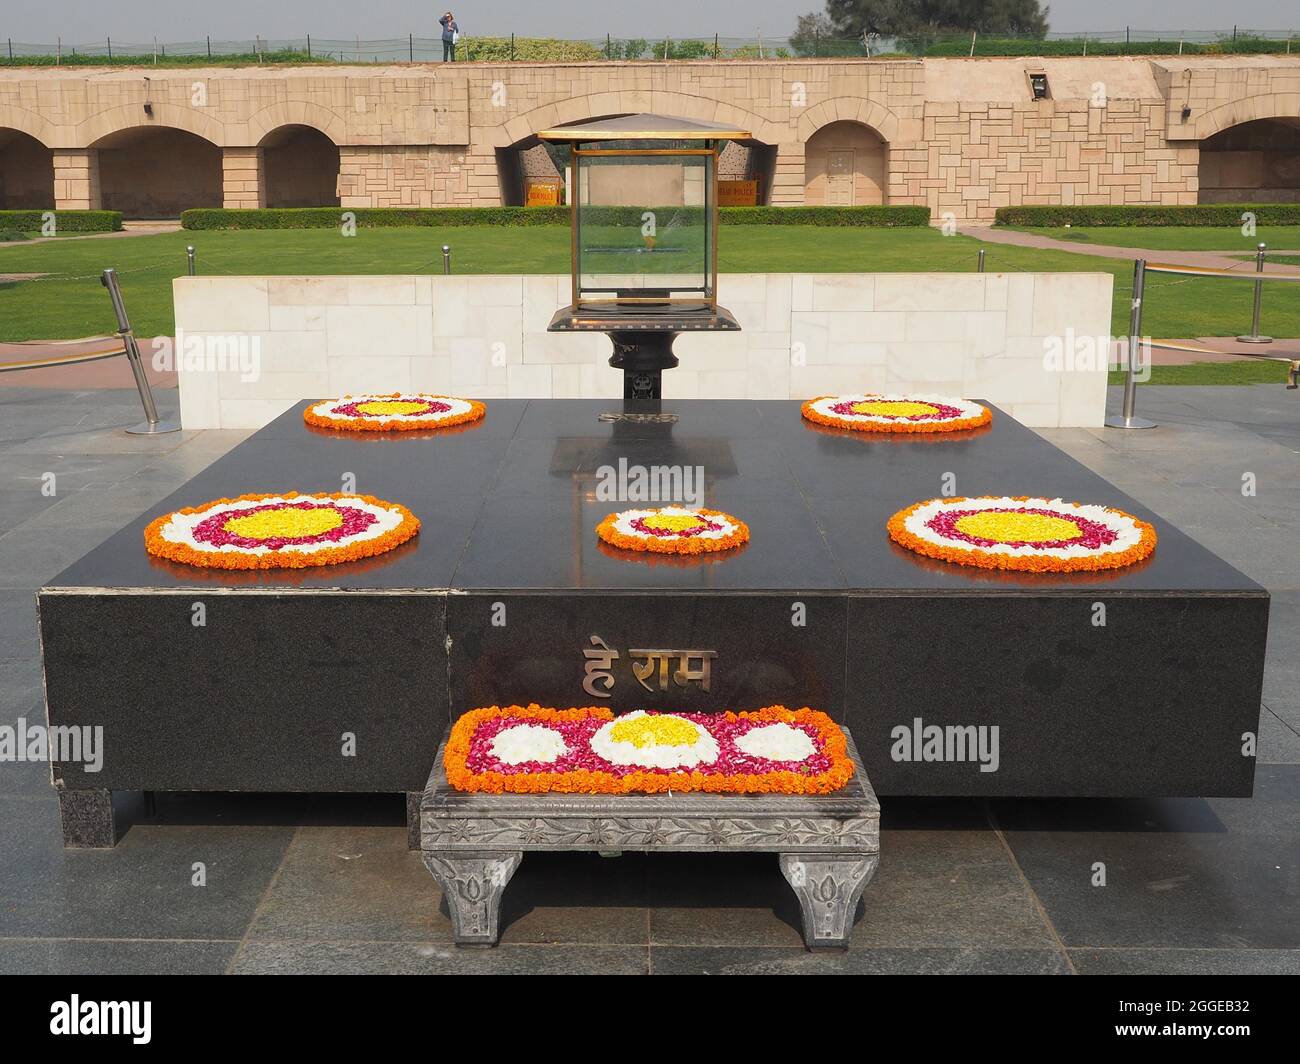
398,412
1037,535
533,750
673,530
288,531
896,413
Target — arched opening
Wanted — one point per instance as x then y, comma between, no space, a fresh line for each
845,166
26,172
1255,162
301,166
533,172
157,172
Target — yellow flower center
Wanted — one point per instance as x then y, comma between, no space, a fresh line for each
1017,527
672,522
289,523
891,408
391,406
659,730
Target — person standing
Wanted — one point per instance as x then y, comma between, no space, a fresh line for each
450,35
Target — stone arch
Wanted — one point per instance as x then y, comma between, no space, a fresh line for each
296,113
516,141
846,164
130,116
849,109
1257,161
157,171
24,121
1247,109
26,171
300,166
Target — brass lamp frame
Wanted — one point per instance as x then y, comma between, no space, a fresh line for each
710,295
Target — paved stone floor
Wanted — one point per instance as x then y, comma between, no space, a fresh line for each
326,884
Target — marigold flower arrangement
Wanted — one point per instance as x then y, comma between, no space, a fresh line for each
534,750
673,530
896,413
1023,533
281,531
394,412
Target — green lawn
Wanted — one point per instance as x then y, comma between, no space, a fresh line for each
1246,371
69,301
1174,237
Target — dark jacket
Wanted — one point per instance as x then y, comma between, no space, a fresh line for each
448,27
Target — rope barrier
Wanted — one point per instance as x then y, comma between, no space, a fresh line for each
1128,418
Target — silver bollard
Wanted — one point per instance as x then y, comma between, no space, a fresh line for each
979,268
151,426
1128,419
189,259
446,258
1255,337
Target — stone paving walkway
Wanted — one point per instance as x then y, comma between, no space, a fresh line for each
1216,260
326,884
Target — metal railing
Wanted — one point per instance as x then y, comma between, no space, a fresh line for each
508,47
1127,418
125,344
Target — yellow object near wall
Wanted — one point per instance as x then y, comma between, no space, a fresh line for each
738,193
543,195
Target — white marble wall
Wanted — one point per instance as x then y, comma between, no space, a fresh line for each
974,335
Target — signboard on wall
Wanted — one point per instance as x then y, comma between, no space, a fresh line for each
738,193
543,194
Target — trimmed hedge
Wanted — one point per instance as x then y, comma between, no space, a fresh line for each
388,217
1224,214
64,221
838,217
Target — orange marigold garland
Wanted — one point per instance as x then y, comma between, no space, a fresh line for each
896,413
284,531
1023,533
535,750
395,412
673,530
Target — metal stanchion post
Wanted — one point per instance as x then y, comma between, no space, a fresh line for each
1255,337
446,258
189,259
1128,419
980,266
151,426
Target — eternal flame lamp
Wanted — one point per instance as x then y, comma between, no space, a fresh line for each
644,198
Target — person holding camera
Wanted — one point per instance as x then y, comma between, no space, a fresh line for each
450,37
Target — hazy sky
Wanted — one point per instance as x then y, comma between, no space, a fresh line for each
180,20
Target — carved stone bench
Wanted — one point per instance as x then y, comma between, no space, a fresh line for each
828,845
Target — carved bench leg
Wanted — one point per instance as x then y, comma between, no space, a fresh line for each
413,819
473,884
87,818
828,887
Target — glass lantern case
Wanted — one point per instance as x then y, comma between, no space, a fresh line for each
643,196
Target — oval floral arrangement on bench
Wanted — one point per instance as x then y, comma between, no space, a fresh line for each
396,412
896,413
534,750
288,531
1036,535
673,530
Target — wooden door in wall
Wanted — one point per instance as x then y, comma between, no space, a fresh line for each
839,177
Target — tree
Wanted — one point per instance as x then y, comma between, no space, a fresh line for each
898,18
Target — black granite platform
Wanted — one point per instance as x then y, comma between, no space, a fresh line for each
501,593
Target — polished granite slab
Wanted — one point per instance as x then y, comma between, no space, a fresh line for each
511,504
501,594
